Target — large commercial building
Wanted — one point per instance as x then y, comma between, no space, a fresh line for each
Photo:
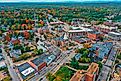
89,75
101,50
78,76
92,71
26,71
78,31
104,28
114,35
38,64
94,35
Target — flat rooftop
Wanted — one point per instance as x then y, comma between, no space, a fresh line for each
95,32
92,68
78,76
115,33
79,29
37,61
25,70
106,27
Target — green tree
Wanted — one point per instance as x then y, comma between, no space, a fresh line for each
119,56
7,79
50,76
24,56
74,63
38,52
100,65
84,60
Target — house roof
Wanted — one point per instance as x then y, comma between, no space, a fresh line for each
2,64
77,56
60,38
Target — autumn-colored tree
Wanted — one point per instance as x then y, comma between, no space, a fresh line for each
27,21
87,45
7,37
26,34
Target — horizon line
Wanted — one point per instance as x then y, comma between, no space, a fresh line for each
54,1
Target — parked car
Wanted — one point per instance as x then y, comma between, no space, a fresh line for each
0,50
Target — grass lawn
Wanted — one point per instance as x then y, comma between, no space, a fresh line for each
63,74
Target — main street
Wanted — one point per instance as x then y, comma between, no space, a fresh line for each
9,63
106,69
55,65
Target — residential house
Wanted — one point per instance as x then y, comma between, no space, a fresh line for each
2,64
15,53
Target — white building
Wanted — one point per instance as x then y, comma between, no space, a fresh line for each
114,35
40,45
78,31
2,64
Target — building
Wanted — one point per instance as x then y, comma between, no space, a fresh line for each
88,75
60,41
78,76
104,28
44,29
41,45
114,35
26,71
38,64
81,39
78,56
77,31
15,53
1,57
94,35
92,72
49,59
2,64
101,50
56,23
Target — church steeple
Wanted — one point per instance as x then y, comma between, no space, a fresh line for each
65,37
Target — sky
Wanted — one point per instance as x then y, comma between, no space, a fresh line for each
50,0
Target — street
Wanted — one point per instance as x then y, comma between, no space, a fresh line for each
55,65
10,66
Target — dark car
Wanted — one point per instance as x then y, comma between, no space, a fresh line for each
40,79
0,50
